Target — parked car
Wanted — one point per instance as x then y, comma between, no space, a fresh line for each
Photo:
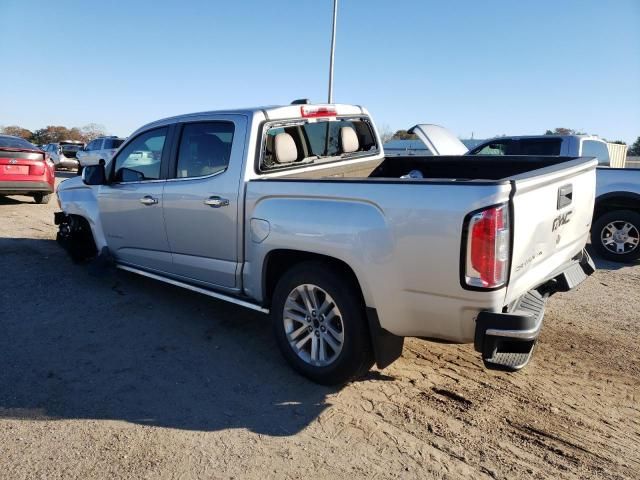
99,149
25,169
295,211
615,233
63,154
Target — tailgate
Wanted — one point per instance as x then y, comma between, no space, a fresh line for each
552,212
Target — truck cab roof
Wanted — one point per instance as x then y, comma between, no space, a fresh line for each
270,113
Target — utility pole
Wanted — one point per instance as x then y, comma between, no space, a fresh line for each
333,49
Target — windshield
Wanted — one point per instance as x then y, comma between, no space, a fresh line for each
16,142
524,146
300,143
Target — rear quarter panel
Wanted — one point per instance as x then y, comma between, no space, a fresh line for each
402,240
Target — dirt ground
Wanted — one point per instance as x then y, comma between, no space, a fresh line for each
123,377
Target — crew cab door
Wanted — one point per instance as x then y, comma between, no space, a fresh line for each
439,140
131,204
201,199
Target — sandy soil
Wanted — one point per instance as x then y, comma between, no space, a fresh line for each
123,377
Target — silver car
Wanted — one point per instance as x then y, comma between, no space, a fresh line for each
63,154
102,148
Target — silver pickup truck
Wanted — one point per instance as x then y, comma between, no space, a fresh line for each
295,211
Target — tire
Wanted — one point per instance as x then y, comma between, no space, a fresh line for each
75,236
355,356
41,198
627,249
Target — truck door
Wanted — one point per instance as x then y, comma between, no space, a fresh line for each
201,200
131,204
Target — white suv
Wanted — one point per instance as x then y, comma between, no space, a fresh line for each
102,148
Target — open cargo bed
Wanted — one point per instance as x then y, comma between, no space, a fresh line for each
454,168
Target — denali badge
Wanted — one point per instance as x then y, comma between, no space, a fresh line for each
561,220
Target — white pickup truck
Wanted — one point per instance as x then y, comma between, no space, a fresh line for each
295,211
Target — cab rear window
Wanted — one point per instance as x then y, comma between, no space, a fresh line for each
310,142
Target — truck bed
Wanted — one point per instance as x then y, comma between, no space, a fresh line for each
455,168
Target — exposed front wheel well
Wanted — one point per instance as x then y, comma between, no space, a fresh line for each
76,236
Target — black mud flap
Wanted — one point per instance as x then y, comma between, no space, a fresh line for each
387,347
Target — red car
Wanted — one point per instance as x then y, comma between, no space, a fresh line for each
25,169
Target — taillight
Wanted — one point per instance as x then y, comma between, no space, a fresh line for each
313,111
488,248
36,169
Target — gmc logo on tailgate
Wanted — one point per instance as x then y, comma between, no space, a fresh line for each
561,220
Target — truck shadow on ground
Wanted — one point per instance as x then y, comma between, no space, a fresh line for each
123,347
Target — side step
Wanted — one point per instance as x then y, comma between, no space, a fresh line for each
507,340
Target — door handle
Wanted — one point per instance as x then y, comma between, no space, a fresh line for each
216,202
148,200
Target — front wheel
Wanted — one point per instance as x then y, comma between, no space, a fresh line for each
616,236
320,325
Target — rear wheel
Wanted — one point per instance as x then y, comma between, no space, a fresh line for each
616,236
319,324
41,197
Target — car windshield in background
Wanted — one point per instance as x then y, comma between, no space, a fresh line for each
15,142
534,146
71,147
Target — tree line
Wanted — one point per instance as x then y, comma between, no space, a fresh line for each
56,133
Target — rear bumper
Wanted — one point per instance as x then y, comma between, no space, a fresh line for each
506,339
67,163
19,188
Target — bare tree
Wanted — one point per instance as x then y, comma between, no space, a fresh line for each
385,132
92,131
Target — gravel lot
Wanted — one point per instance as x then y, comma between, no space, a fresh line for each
122,377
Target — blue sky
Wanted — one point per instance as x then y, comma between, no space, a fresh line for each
487,67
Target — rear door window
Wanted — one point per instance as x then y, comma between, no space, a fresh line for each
593,148
204,149
112,143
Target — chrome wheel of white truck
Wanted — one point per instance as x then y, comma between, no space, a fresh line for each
616,235
320,325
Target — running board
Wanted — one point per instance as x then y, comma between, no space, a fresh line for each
204,291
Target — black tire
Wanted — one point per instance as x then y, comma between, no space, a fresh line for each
356,356
616,217
41,197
